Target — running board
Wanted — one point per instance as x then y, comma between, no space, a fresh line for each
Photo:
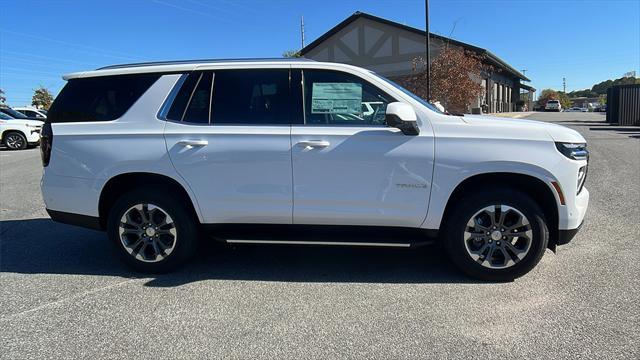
324,243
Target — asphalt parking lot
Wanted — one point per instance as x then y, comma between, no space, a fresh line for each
63,294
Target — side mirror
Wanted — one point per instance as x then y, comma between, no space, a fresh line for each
402,116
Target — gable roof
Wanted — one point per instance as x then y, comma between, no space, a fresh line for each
357,15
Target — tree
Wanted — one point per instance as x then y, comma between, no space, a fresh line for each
548,94
602,99
42,98
582,93
452,78
291,54
3,99
564,100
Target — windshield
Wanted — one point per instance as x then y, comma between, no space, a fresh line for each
14,114
4,116
412,95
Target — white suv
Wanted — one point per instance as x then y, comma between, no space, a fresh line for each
553,105
18,134
283,152
32,112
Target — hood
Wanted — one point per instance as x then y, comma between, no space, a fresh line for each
25,122
557,133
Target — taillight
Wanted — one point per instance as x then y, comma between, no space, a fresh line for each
46,141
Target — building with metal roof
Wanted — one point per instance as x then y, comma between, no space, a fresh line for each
389,48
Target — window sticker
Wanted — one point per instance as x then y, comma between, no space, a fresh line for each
336,98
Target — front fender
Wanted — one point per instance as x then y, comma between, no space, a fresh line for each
447,179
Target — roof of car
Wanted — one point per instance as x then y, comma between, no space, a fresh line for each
179,66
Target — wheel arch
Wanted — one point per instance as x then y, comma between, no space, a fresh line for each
540,192
122,183
9,131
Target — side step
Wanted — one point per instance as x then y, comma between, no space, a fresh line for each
326,235
323,243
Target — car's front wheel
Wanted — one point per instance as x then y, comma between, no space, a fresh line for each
15,141
497,235
153,232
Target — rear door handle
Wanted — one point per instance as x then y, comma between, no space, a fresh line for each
193,143
312,144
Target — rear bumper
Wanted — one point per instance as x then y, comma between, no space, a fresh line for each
89,222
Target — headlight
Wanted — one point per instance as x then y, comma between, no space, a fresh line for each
574,151
33,126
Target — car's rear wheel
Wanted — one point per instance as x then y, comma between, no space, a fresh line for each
15,141
497,235
153,232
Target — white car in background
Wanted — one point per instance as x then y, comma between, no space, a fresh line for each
553,105
18,134
32,112
573,109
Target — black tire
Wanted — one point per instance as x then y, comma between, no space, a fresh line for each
15,140
187,231
468,206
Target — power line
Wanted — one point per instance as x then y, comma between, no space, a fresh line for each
107,53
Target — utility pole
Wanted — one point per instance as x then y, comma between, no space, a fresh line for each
428,53
564,85
302,30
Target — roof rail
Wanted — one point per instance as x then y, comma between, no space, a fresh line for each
183,62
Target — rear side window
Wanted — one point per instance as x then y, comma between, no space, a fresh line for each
101,98
259,97
198,109
234,97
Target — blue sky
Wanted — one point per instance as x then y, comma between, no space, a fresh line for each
584,41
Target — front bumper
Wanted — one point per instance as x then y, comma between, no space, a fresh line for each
565,236
33,136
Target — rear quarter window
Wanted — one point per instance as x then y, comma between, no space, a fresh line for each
102,98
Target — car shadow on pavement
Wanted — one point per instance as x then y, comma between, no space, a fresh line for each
41,246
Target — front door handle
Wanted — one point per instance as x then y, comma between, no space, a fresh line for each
193,143
312,144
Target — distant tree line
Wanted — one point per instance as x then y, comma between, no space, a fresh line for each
601,87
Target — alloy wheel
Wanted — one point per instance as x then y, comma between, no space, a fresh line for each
14,141
498,236
147,232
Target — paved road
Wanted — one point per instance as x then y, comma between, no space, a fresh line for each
62,294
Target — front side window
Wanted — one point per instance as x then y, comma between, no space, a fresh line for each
32,113
336,98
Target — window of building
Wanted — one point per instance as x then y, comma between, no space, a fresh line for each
337,98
